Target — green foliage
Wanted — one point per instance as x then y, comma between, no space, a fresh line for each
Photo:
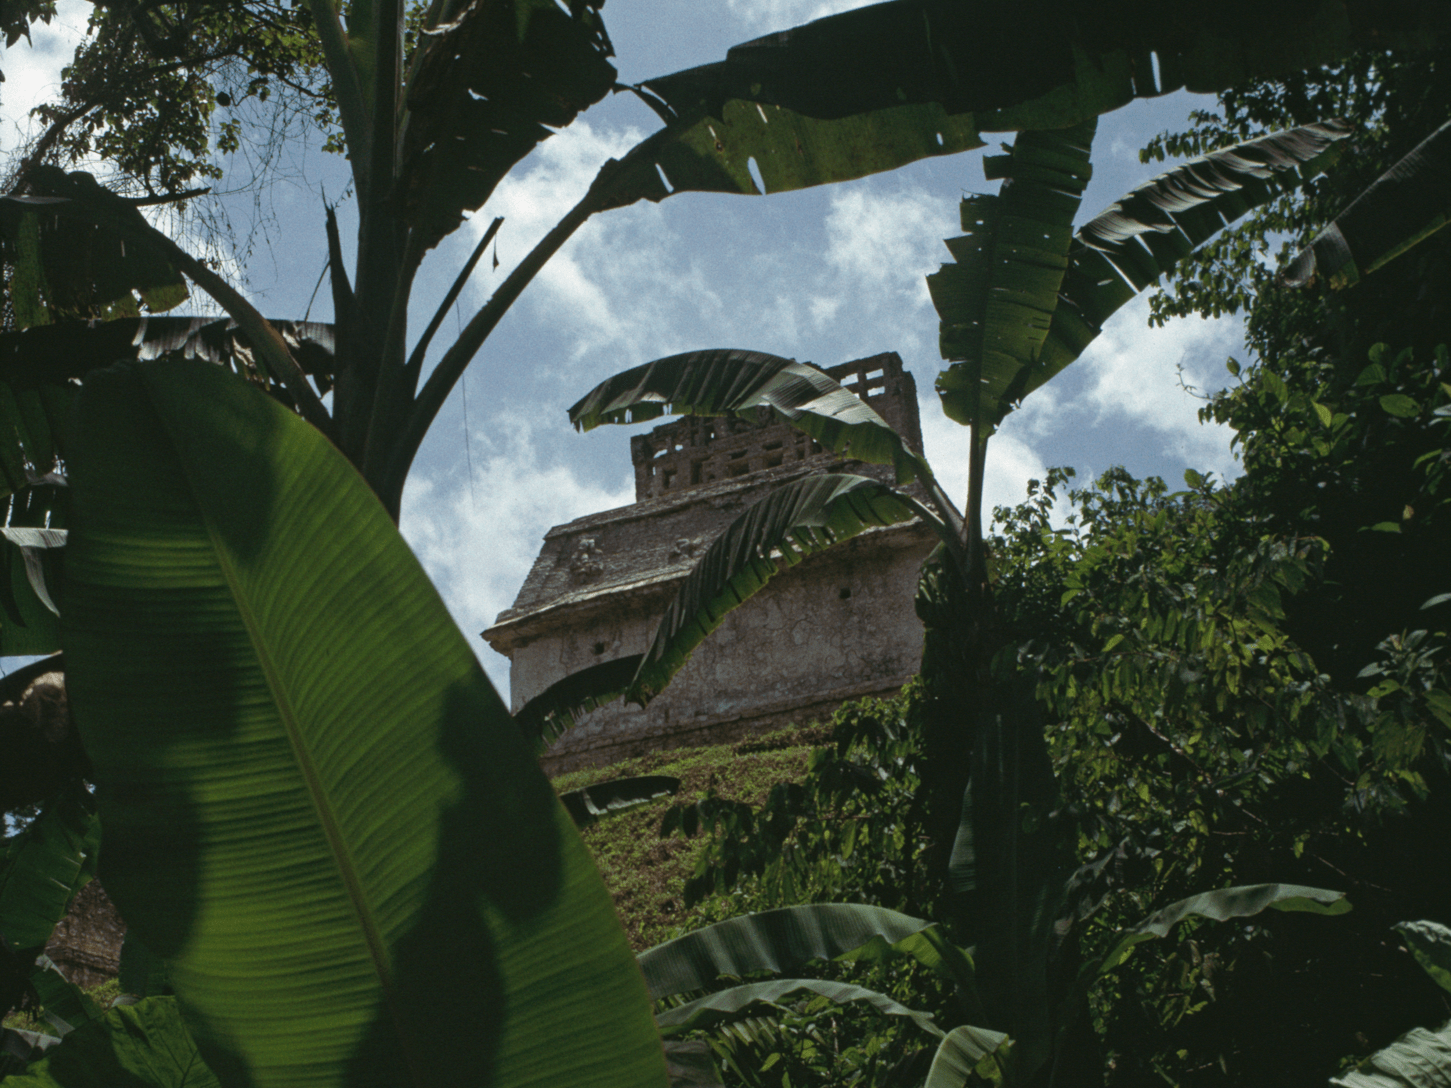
646,873
849,831
324,768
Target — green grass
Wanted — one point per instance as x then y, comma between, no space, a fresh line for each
645,873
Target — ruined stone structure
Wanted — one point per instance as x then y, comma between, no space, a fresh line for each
86,945
836,627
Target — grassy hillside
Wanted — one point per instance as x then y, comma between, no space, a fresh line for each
644,872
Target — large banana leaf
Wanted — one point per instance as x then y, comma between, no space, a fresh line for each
1112,257
967,1051
795,521
1418,1059
551,713
774,940
997,301
1131,244
1220,906
740,1002
317,810
487,87
145,1045
1407,203
726,380
887,84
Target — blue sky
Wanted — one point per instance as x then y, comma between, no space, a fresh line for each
824,275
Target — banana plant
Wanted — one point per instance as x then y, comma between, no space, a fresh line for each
318,812
1023,299
695,979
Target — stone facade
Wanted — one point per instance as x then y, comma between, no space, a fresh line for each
86,945
839,626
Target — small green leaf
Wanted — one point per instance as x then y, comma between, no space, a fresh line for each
1398,404
1326,416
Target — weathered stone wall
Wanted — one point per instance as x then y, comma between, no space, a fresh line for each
839,626
86,945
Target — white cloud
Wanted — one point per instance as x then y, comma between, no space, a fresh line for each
881,244
32,72
622,281
478,544
1134,376
1011,462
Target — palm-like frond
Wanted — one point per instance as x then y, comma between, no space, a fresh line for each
723,381
797,520
1409,202
547,716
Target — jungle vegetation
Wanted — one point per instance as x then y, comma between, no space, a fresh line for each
1170,710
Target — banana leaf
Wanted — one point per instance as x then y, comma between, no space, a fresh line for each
774,940
723,381
45,866
1430,943
1118,253
690,1064
1409,202
965,1052
795,521
486,88
1128,246
318,811
69,260
997,301
890,83
54,356
744,1001
63,1004
1418,1059
588,804
551,713
1220,906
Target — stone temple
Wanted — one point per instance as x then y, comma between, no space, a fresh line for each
839,626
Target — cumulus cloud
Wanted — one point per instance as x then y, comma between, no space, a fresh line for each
1138,374
1011,460
882,242
622,282
477,543
32,72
